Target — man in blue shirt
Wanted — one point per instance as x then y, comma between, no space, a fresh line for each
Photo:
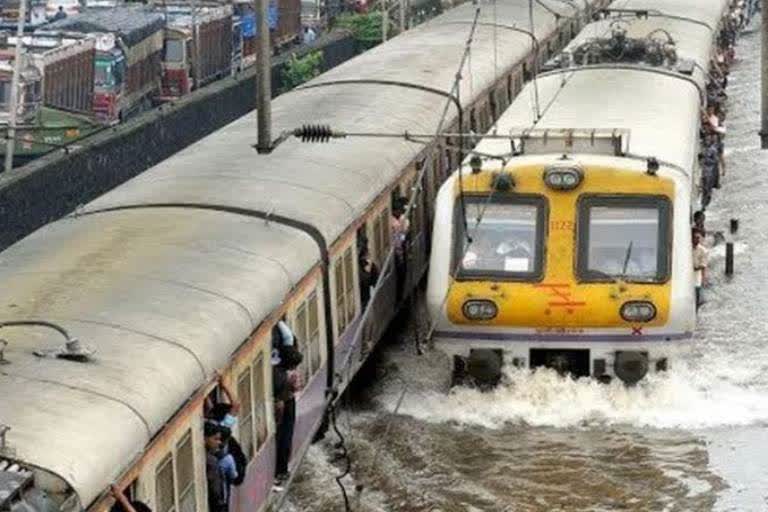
227,466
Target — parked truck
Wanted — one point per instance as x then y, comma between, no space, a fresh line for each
129,45
42,128
66,64
284,21
198,47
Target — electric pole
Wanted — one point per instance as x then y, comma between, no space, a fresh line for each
764,75
196,39
264,80
14,100
384,20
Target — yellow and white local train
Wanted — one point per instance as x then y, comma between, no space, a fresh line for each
576,248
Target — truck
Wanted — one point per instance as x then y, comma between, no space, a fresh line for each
66,65
245,17
198,47
41,128
129,46
284,21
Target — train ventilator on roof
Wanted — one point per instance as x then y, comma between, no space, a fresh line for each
610,142
72,349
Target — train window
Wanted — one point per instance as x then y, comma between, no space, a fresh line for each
260,403
246,412
346,306
185,474
384,234
376,244
302,341
507,243
349,285
625,237
314,333
164,492
341,317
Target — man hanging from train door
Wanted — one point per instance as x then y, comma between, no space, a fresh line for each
287,381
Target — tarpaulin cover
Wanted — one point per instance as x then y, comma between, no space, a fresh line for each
132,24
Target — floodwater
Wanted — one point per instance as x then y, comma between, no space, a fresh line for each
694,439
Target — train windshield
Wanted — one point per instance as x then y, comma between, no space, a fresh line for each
506,242
174,50
623,238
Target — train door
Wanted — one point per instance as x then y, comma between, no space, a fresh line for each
381,301
251,380
415,247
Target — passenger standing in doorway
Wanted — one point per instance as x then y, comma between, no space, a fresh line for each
287,382
699,218
227,465
369,275
224,414
216,496
399,225
700,263
710,169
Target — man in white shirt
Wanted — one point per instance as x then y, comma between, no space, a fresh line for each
700,262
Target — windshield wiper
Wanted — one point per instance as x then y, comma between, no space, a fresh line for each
626,261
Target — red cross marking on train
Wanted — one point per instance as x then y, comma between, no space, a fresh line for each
637,331
560,293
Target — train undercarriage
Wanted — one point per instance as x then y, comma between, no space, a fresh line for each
484,367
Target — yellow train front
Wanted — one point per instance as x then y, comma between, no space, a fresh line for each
567,241
577,262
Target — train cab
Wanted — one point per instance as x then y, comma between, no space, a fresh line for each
564,259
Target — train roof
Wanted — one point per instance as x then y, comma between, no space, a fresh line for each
166,294
165,298
660,110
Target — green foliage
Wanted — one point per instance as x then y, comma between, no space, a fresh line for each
366,28
299,70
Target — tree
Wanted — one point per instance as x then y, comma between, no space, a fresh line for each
366,28
301,69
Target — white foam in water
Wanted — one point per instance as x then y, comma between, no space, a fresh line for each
680,398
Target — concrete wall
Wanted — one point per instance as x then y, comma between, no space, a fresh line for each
54,185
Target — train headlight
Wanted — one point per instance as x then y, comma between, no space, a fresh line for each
480,309
638,311
563,178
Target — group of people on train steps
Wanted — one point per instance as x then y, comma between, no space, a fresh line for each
713,131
